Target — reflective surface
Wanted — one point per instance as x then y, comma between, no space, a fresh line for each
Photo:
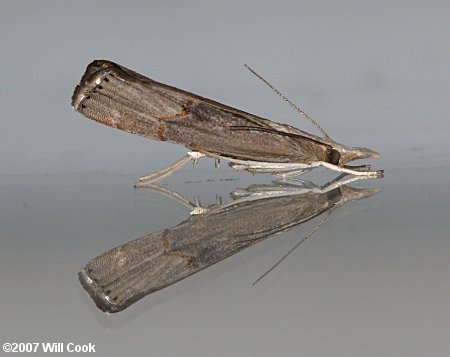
118,278
374,277
374,280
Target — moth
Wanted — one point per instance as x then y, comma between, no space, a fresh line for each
118,278
121,98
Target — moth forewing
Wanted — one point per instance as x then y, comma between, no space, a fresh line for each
123,99
118,278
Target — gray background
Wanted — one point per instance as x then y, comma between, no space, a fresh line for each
375,280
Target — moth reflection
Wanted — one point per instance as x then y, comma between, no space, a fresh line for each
118,278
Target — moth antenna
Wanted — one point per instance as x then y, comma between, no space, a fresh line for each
289,102
294,247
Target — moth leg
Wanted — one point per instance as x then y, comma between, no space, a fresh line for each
167,171
346,170
297,183
195,207
160,174
271,168
293,173
358,167
342,180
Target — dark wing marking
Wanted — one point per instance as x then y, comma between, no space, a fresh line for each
273,131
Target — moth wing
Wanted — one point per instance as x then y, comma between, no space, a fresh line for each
125,274
123,99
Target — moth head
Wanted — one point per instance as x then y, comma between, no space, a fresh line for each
351,194
349,154
343,194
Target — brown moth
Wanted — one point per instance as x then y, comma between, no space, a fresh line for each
123,99
118,278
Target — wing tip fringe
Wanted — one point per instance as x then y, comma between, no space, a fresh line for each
97,294
93,73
